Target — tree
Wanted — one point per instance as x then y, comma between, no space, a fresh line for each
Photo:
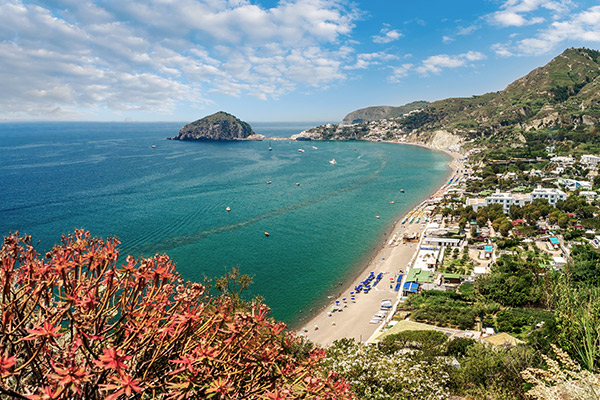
76,323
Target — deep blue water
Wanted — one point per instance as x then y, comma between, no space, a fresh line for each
107,178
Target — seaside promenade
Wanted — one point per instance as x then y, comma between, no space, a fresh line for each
391,259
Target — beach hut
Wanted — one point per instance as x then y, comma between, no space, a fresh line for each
409,288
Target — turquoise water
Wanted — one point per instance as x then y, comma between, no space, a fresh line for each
106,178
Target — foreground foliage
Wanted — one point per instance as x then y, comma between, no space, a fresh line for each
378,375
78,324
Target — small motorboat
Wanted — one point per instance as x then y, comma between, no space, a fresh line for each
228,209
315,147
301,150
266,233
269,182
297,183
377,216
332,161
401,190
153,146
392,202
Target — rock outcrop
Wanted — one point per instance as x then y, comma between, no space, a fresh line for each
220,126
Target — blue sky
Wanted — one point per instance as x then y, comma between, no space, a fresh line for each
266,60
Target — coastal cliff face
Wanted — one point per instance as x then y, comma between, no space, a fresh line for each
220,126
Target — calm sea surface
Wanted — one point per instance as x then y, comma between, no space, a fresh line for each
107,178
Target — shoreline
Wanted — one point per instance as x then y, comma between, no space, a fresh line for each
324,326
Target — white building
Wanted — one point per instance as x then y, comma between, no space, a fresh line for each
589,195
507,200
475,202
552,195
572,184
590,161
563,160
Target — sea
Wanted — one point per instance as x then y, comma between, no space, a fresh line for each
324,220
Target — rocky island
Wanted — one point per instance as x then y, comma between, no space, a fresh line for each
219,126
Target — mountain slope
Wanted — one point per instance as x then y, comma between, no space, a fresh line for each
381,112
566,91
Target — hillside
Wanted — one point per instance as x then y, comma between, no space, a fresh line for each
220,126
381,112
566,91
563,93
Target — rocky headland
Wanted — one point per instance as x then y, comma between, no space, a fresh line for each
219,126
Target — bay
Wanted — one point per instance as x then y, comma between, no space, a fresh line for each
108,179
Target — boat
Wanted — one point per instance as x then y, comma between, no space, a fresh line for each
266,233
392,202
332,161
269,182
315,147
153,146
297,183
401,190
270,148
228,209
377,216
301,150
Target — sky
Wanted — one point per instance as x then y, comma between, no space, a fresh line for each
267,60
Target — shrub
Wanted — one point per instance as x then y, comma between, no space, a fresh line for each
79,324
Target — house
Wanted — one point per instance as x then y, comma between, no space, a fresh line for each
590,161
558,262
441,241
589,195
507,200
451,280
572,184
564,161
475,202
552,195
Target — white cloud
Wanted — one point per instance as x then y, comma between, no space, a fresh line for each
400,72
366,60
435,64
447,39
130,56
583,26
387,35
514,12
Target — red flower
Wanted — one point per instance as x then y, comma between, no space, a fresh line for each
47,394
112,359
73,375
125,385
5,364
47,330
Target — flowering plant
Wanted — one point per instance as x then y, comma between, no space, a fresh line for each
76,323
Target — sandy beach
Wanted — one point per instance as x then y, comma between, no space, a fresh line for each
352,321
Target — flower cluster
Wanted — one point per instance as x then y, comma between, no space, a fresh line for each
76,323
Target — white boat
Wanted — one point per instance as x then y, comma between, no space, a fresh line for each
301,150
332,161
315,147
153,146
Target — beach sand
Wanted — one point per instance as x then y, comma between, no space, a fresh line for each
353,321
